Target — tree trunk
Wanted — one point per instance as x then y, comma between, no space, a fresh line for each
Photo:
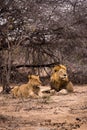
7,71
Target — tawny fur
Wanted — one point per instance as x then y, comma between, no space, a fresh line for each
59,79
58,67
31,89
14,91
69,87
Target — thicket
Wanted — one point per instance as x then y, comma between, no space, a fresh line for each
35,35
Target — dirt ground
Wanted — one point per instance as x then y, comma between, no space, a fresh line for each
60,111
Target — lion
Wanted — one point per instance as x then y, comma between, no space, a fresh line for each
30,89
59,79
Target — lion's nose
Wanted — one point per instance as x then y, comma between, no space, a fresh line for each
65,75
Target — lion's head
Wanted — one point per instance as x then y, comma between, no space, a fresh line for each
59,78
34,83
34,80
60,75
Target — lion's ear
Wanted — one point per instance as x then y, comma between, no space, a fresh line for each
38,76
29,76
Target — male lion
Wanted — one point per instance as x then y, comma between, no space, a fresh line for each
59,79
30,89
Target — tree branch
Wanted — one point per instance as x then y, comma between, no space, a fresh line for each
32,66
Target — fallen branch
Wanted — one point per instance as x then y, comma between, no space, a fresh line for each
32,66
